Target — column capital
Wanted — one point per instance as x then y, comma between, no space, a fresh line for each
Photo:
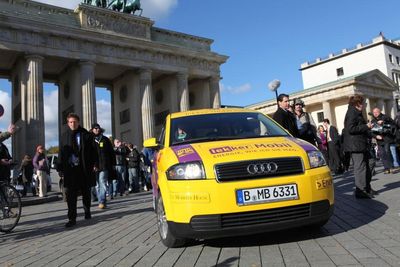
86,63
145,74
33,57
215,78
182,75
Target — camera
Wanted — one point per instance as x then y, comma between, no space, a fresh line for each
382,129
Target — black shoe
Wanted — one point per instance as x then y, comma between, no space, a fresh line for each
88,216
70,224
373,192
363,194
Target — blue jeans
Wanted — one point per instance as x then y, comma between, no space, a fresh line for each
133,179
101,186
394,155
119,184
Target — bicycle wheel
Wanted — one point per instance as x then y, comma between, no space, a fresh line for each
10,208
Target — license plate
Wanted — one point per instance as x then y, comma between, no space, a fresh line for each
19,187
266,194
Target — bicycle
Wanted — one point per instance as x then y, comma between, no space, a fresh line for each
10,207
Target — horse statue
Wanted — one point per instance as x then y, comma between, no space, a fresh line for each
99,3
132,7
117,5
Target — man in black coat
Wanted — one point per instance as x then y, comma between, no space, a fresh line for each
333,138
356,141
284,117
78,162
106,156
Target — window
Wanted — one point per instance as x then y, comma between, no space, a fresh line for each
339,72
390,58
397,60
320,116
396,77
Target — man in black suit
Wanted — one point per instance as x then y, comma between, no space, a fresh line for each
333,139
78,163
284,117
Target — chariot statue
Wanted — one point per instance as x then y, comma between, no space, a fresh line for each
129,7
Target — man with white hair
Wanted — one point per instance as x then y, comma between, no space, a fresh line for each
385,136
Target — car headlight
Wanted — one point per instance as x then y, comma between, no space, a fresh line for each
316,159
186,171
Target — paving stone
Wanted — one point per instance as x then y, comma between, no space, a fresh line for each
360,233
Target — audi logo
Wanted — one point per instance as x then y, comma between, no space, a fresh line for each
262,168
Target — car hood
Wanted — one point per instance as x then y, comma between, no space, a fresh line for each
211,153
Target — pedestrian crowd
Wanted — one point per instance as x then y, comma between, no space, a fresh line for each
361,142
89,164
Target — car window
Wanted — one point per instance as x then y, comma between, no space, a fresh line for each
224,126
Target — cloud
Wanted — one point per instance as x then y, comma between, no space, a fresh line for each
235,90
154,9
51,118
157,9
5,101
104,115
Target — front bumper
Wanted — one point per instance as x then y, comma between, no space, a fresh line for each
252,222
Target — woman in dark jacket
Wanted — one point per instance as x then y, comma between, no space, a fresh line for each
356,135
26,170
42,169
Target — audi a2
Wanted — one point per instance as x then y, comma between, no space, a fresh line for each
225,172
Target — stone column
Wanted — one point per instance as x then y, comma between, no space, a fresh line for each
381,105
34,103
214,92
368,107
326,106
390,108
183,91
89,114
147,104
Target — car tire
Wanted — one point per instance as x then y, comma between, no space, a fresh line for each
167,238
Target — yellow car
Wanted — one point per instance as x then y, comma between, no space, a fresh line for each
225,172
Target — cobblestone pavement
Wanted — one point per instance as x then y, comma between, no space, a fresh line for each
361,233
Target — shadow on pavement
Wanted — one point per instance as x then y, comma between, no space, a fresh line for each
350,213
52,225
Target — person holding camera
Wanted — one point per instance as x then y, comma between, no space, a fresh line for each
383,130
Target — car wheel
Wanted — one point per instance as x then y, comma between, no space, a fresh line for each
167,238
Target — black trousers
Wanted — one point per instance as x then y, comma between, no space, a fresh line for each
71,193
362,171
334,157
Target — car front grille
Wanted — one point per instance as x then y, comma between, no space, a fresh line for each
237,171
251,218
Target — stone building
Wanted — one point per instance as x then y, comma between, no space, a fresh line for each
371,69
330,100
149,71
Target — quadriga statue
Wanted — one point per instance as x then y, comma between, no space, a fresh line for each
126,7
99,3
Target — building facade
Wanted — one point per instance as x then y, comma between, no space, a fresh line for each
330,100
149,71
372,70
381,53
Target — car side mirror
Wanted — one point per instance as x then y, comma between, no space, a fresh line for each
151,143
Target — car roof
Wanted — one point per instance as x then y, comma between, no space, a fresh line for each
210,111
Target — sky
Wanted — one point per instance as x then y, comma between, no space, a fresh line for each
265,40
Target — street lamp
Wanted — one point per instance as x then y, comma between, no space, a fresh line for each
273,86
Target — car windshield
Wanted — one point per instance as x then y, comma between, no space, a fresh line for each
222,126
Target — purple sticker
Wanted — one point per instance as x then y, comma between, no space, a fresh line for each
186,153
305,145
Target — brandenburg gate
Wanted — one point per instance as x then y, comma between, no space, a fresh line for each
149,71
